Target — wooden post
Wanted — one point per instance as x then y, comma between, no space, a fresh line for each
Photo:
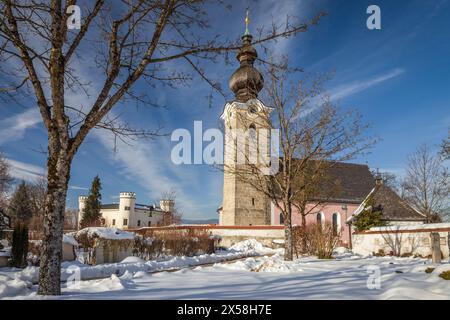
436,247
448,245
350,236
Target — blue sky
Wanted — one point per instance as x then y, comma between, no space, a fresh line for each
397,78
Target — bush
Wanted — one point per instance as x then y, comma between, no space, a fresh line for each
429,270
151,244
406,255
445,275
19,248
316,239
177,242
380,253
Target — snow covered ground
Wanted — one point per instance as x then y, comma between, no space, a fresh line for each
262,277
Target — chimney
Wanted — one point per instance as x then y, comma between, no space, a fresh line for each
378,178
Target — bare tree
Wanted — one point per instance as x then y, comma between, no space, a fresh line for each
314,135
427,184
130,42
37,191
446,147
5,180
70,219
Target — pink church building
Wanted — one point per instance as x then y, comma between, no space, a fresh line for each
355,183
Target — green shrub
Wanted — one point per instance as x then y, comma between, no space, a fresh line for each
445,275
429,270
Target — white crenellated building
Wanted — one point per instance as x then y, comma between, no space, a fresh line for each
127,214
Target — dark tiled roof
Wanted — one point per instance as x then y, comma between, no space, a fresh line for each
352,182
394,207
343,182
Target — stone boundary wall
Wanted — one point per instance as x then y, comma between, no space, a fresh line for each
403,239
229,235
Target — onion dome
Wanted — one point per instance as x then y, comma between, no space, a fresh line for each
246,82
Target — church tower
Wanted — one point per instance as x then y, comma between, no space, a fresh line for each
243,204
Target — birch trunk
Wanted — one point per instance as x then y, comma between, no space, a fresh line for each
58,167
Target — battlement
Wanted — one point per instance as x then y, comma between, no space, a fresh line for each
127,195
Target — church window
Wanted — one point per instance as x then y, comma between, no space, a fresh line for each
125,222
253,201
281,218
139,223
336,223
149,223
252,110
113,222
320,218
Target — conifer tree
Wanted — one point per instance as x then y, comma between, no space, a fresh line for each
371,216
19,248
91,213
20,207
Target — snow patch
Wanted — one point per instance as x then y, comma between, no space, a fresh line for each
69,239
106,233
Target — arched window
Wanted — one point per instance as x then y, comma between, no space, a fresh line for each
320,218
281,218
336,223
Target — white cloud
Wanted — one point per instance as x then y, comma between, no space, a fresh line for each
358,86
25,171
277,11
148,163
14,127
78,188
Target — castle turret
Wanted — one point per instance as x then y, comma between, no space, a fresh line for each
127,201
167,205
81,206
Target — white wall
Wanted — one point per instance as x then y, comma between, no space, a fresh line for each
407,242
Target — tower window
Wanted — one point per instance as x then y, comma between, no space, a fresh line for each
252,110
125,222
127,208
253,201
139,223
149,223
113,222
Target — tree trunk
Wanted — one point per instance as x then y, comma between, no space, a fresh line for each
288,250
303,232
58,167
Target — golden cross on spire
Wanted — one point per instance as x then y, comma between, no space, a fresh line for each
247,21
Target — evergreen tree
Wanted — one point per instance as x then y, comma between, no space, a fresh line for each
371,216
21,207
91,213
19,248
